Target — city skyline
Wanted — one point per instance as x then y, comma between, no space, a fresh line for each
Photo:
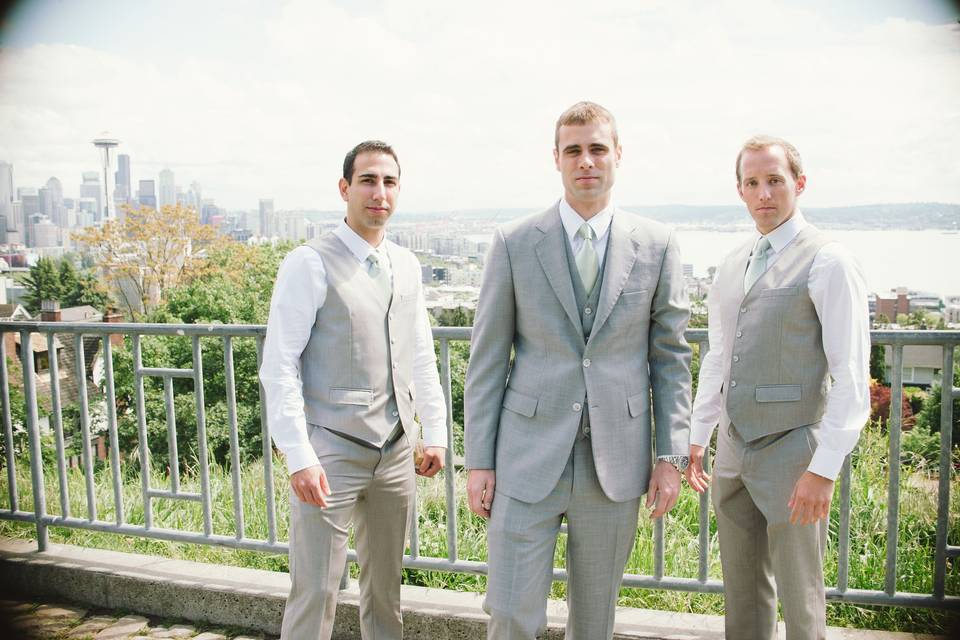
262,100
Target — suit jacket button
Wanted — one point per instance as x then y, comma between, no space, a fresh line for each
739,334
577,406
586,362
743,309
733,383
588,311
736,358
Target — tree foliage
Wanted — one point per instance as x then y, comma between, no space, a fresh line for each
149,252
60,280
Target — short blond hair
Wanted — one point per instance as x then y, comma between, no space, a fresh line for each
756,143
584,113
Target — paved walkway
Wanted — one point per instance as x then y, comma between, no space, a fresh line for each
38,621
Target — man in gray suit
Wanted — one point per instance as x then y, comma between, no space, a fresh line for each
590,299
348,360
787,380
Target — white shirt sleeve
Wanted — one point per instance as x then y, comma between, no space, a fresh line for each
431,405
299,292
839,294
707,405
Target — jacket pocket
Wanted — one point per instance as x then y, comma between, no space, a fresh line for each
638,404
778,393
520,403
341,395
633,297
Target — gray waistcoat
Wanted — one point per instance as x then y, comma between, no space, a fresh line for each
357,367
775,371
586,305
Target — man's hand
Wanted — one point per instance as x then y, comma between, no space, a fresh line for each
664,488
432,461
310,485
811,498
480,484
697,478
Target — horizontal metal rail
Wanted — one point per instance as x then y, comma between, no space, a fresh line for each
228,335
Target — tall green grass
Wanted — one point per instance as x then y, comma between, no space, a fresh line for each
916,534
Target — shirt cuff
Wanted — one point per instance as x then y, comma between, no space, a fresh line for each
826,462
700,433
680,462
435,436
300,457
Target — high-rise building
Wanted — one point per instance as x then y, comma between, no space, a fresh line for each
43,232
122,192
90,188
168,190
51,202
146,194
6,190
267,219
196,197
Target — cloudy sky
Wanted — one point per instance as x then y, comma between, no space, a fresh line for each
258,99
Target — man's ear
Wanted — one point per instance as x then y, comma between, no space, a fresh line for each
344,188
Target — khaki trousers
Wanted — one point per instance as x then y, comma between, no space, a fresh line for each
374,490
759,548
522,539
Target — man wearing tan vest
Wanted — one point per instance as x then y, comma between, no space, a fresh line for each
348,361
786,378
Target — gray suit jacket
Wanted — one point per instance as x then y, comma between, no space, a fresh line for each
522,416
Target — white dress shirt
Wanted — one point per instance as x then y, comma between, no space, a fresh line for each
299,292
600,223
839,294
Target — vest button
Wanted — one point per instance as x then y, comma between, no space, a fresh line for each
588,311
577,406
586,430
739,334
396,413
586,362
733,383
736,358
743,309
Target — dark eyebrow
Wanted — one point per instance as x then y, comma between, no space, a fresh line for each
571,147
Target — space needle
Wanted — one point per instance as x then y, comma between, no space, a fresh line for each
106,144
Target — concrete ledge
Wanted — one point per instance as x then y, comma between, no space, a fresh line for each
254,599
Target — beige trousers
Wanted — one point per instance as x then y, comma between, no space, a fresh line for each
522,539
762,554
373,489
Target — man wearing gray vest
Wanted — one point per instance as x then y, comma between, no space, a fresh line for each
590,299
348,360
786,378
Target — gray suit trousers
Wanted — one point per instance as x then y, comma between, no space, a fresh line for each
374,490
762,554
522,542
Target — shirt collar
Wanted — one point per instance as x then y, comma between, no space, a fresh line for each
359,247
785,233
572,221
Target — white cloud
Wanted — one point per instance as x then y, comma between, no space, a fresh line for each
468,94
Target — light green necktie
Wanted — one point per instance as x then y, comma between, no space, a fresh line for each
586,259
379,275
758,264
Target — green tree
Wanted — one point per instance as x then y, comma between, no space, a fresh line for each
878,366
42,283
929,416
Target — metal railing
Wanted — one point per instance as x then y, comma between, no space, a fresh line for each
947,340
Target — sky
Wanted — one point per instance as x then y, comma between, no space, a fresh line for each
261,99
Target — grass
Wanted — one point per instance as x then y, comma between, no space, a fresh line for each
916,533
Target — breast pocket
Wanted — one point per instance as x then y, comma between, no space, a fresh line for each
780,292
638,296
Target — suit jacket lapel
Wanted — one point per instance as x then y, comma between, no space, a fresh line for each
553,259
620,258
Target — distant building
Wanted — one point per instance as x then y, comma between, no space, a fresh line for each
6,189
687,270
893,306
426,274
45,233
147,194
921,364
168,190
951,310
51,203
122,192
90,189
267,218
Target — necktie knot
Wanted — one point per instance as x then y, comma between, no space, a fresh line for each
758,263
373,262
586,258
586,232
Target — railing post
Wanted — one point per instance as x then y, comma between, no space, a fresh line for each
947,395
8,427
894,427
33,429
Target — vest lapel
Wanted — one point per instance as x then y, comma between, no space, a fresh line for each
553,259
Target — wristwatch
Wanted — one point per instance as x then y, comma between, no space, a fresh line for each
679,462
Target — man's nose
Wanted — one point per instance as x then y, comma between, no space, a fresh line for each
379,191
586,161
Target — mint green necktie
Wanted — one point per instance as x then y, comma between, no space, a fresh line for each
758,264
586,259
379,275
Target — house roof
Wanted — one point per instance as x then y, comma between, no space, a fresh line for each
14,312
38,342
83,313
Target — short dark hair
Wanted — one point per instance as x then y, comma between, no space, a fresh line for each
584,112
756,143
367,146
